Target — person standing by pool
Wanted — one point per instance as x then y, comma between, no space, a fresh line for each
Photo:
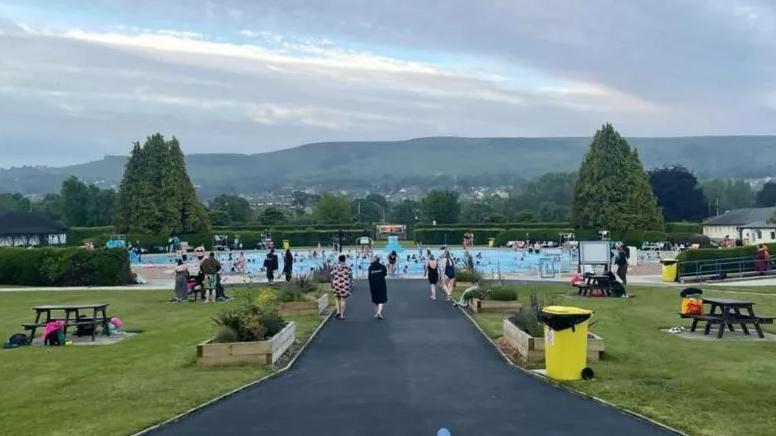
448,281
621,260
181,279
210,268
241,263
762,258
377,286
341,284
288,264
393,263
271,265
432,272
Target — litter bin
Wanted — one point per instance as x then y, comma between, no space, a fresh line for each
565,342
491,242
286,244
668,269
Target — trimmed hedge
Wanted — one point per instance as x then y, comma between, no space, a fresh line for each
77,235
687,258
683,227
551,234
261,227
50,266
504,226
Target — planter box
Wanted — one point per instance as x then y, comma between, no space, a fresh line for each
484,306
306,307
261,352
531,349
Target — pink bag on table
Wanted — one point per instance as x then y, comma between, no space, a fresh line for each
51,327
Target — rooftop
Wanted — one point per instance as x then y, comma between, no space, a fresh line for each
754,216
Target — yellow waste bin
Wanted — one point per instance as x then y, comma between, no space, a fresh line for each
286,244
565,342
491,242
669,269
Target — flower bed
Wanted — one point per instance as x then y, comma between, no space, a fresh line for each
257,352
477,305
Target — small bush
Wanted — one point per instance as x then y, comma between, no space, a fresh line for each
322,274
249,321
303,283
467,275
502,293
527,317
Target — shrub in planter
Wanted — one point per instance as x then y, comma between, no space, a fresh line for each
248,320
303,283
527,317
502,293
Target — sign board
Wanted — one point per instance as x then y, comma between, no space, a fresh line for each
384,231
594,253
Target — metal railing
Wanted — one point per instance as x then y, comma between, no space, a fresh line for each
722,268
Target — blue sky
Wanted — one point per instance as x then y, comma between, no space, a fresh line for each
81,79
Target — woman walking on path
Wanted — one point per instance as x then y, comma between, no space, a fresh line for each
288,264
377,286
181,277
432,272
341,284
448,281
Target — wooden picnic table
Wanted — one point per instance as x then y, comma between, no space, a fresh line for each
592,282
72,317
727,312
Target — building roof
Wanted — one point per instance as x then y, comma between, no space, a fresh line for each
23,223
751,217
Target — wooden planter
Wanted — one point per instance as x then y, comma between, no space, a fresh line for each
484,306
261,352
530,349
306,307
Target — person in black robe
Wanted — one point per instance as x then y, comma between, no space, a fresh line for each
377,286
271,265
288,264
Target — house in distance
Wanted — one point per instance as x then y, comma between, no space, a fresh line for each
22,229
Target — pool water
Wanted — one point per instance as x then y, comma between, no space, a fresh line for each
411,261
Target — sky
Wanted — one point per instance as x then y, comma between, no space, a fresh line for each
83,79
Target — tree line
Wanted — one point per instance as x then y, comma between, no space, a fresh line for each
610,190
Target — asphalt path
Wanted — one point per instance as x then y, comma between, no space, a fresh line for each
423,368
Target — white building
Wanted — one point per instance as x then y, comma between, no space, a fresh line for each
751,226
21,229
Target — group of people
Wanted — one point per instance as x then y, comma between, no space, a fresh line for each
341,278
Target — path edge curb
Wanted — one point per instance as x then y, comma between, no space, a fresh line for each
212,401
563,386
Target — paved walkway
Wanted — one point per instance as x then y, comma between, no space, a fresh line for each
423,368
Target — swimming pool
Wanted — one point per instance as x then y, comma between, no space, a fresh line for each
489,261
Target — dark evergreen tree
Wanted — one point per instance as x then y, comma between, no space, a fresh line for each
156,194
442,207
766,197
612,190
678,194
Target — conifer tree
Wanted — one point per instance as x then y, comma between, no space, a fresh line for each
156,194
612,190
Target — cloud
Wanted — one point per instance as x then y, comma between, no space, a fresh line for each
258,76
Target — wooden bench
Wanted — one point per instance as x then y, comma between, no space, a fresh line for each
726,312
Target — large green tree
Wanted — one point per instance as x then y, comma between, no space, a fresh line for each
273,215
156,194
678,194
476,212
406,212
725,194
332,209
365,211
85,205
238,208
766,197
14,202
442,207
612,189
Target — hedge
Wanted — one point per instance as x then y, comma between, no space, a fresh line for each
504,226
77,235
261,227
683,227
687,258
49,266
552,234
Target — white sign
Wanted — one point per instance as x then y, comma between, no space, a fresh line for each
594,252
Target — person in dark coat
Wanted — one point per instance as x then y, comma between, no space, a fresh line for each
377,286
288,264
271,265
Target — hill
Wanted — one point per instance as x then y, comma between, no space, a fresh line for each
421,161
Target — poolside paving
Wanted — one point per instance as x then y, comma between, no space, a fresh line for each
423,368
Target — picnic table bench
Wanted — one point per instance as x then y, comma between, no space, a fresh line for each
72,317
726,312
592,282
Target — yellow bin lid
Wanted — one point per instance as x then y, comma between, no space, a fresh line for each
566,310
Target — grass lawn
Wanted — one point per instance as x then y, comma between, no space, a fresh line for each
707,388
119,388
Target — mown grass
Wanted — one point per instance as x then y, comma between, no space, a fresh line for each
119,388
704,388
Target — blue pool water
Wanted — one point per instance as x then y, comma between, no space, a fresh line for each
411,261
